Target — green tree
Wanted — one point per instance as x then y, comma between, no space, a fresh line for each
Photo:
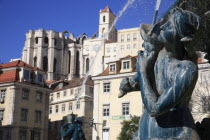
129,127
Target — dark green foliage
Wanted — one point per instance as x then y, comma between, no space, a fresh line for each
128,128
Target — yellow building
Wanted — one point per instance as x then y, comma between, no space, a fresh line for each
63,102
108,108
24,102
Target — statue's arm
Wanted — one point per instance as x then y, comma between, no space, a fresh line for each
178,90
68,131
129,85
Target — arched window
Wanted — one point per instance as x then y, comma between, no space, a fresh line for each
70,106
87,65
35,61
103,32
45,63
104,18
54,66
69,61
46,40
36,40
77,64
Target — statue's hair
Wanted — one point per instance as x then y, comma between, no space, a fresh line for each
186,24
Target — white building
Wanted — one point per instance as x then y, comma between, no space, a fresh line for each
68,57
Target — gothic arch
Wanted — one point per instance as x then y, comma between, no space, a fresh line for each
45,63
35,61
87,64
55,65
46,40
77,64
82,37
69,69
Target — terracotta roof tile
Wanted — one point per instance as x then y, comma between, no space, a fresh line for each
9,76
75,83
106,71
106,9
18,63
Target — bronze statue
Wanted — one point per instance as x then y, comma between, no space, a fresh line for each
166,74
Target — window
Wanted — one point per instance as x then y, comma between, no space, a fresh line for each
104,18
108,49
1,114
55,41
24,114
126,109
58,95
134,46
91,90
37,135
2,94
22,134
36,40
134,37
128,37
56,109
106,87
26,74
45,63
64,93
63,107
122,47
128,46
40,77
70,106
39,97
206,104
25,94
78,105
51,98
38,115
87,64
46,40
126,65
112,68
72,91
115,49
35,61
106,109
50,109
122,38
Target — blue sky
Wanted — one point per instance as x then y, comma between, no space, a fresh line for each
77,16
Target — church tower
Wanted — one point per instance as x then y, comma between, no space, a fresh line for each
106,19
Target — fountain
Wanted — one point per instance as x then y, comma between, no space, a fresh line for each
68,129
167,71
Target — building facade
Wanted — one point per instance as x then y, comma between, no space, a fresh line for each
109,110
65,99
23,102
68,57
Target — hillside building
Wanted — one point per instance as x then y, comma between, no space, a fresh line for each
109,110
24,102
63,101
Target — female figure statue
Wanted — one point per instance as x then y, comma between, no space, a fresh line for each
167,73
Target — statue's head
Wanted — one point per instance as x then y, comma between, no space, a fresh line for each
178,31
71,118
180,26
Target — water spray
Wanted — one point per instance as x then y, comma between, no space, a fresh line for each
129,2
156,12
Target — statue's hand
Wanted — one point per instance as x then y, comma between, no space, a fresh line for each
145,61
125,87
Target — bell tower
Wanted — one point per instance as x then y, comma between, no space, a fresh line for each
106,19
